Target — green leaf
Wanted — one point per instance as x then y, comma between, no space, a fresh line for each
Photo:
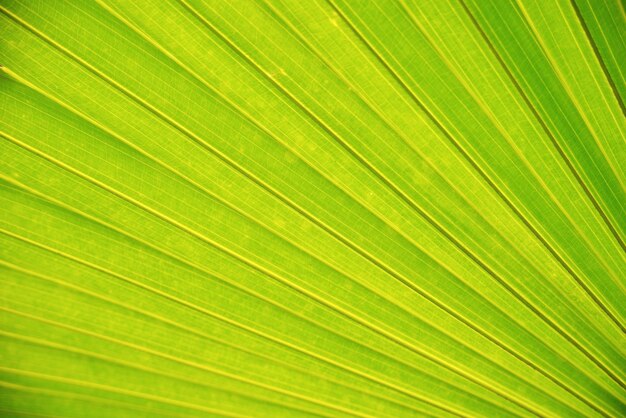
323,208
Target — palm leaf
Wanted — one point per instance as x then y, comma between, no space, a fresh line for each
284,208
